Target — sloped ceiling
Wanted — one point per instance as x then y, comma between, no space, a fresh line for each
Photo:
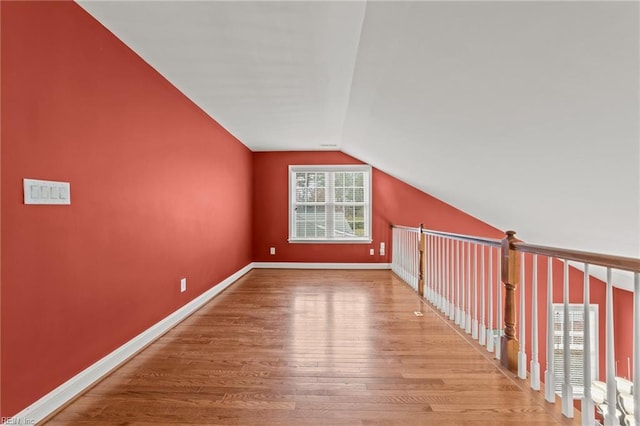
523,114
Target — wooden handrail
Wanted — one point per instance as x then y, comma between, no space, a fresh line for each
511,248
615,262
407,228
460,237
468,238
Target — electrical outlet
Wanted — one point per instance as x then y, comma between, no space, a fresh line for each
183,285
372,251
272,251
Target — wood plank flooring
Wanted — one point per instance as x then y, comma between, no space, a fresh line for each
310,347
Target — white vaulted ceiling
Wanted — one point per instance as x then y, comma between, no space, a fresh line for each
523,114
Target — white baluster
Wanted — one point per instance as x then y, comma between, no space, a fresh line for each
427,259
432,273
610,418
414,262
636,346
482,338
440,273
463,308
418,265
398,254
445,279
468,261
549,374
522,355
456,267
567,389
587,402
445,284
535,365
401,254
490,340
407,258
410,259
474,326
433,270
500,325
452,283
394,248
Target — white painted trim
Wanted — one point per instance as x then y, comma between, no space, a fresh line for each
319,265
55,399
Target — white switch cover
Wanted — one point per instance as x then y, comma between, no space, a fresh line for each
381,249
183,285
272,250
46,192
372,251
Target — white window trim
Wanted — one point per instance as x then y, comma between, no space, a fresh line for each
331,168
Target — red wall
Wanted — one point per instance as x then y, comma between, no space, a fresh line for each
159,191
393,201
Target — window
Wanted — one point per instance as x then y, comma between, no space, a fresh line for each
576,345
330,203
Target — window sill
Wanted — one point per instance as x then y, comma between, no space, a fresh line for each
331,241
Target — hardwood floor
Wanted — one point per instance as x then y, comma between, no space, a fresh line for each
310,347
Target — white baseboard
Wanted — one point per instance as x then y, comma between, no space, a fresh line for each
319,265
55,399
64,393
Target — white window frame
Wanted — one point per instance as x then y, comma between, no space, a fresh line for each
367,239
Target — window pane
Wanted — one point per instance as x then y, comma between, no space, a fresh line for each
339,195
359,195
311,221
359,179
300,230
348,212
321,221
342,228
339,181
348,195
348,179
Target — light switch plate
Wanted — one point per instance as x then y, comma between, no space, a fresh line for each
46,192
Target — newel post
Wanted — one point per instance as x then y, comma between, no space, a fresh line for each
510,267
421,241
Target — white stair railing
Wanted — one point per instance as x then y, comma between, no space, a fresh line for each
574,342
465,279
